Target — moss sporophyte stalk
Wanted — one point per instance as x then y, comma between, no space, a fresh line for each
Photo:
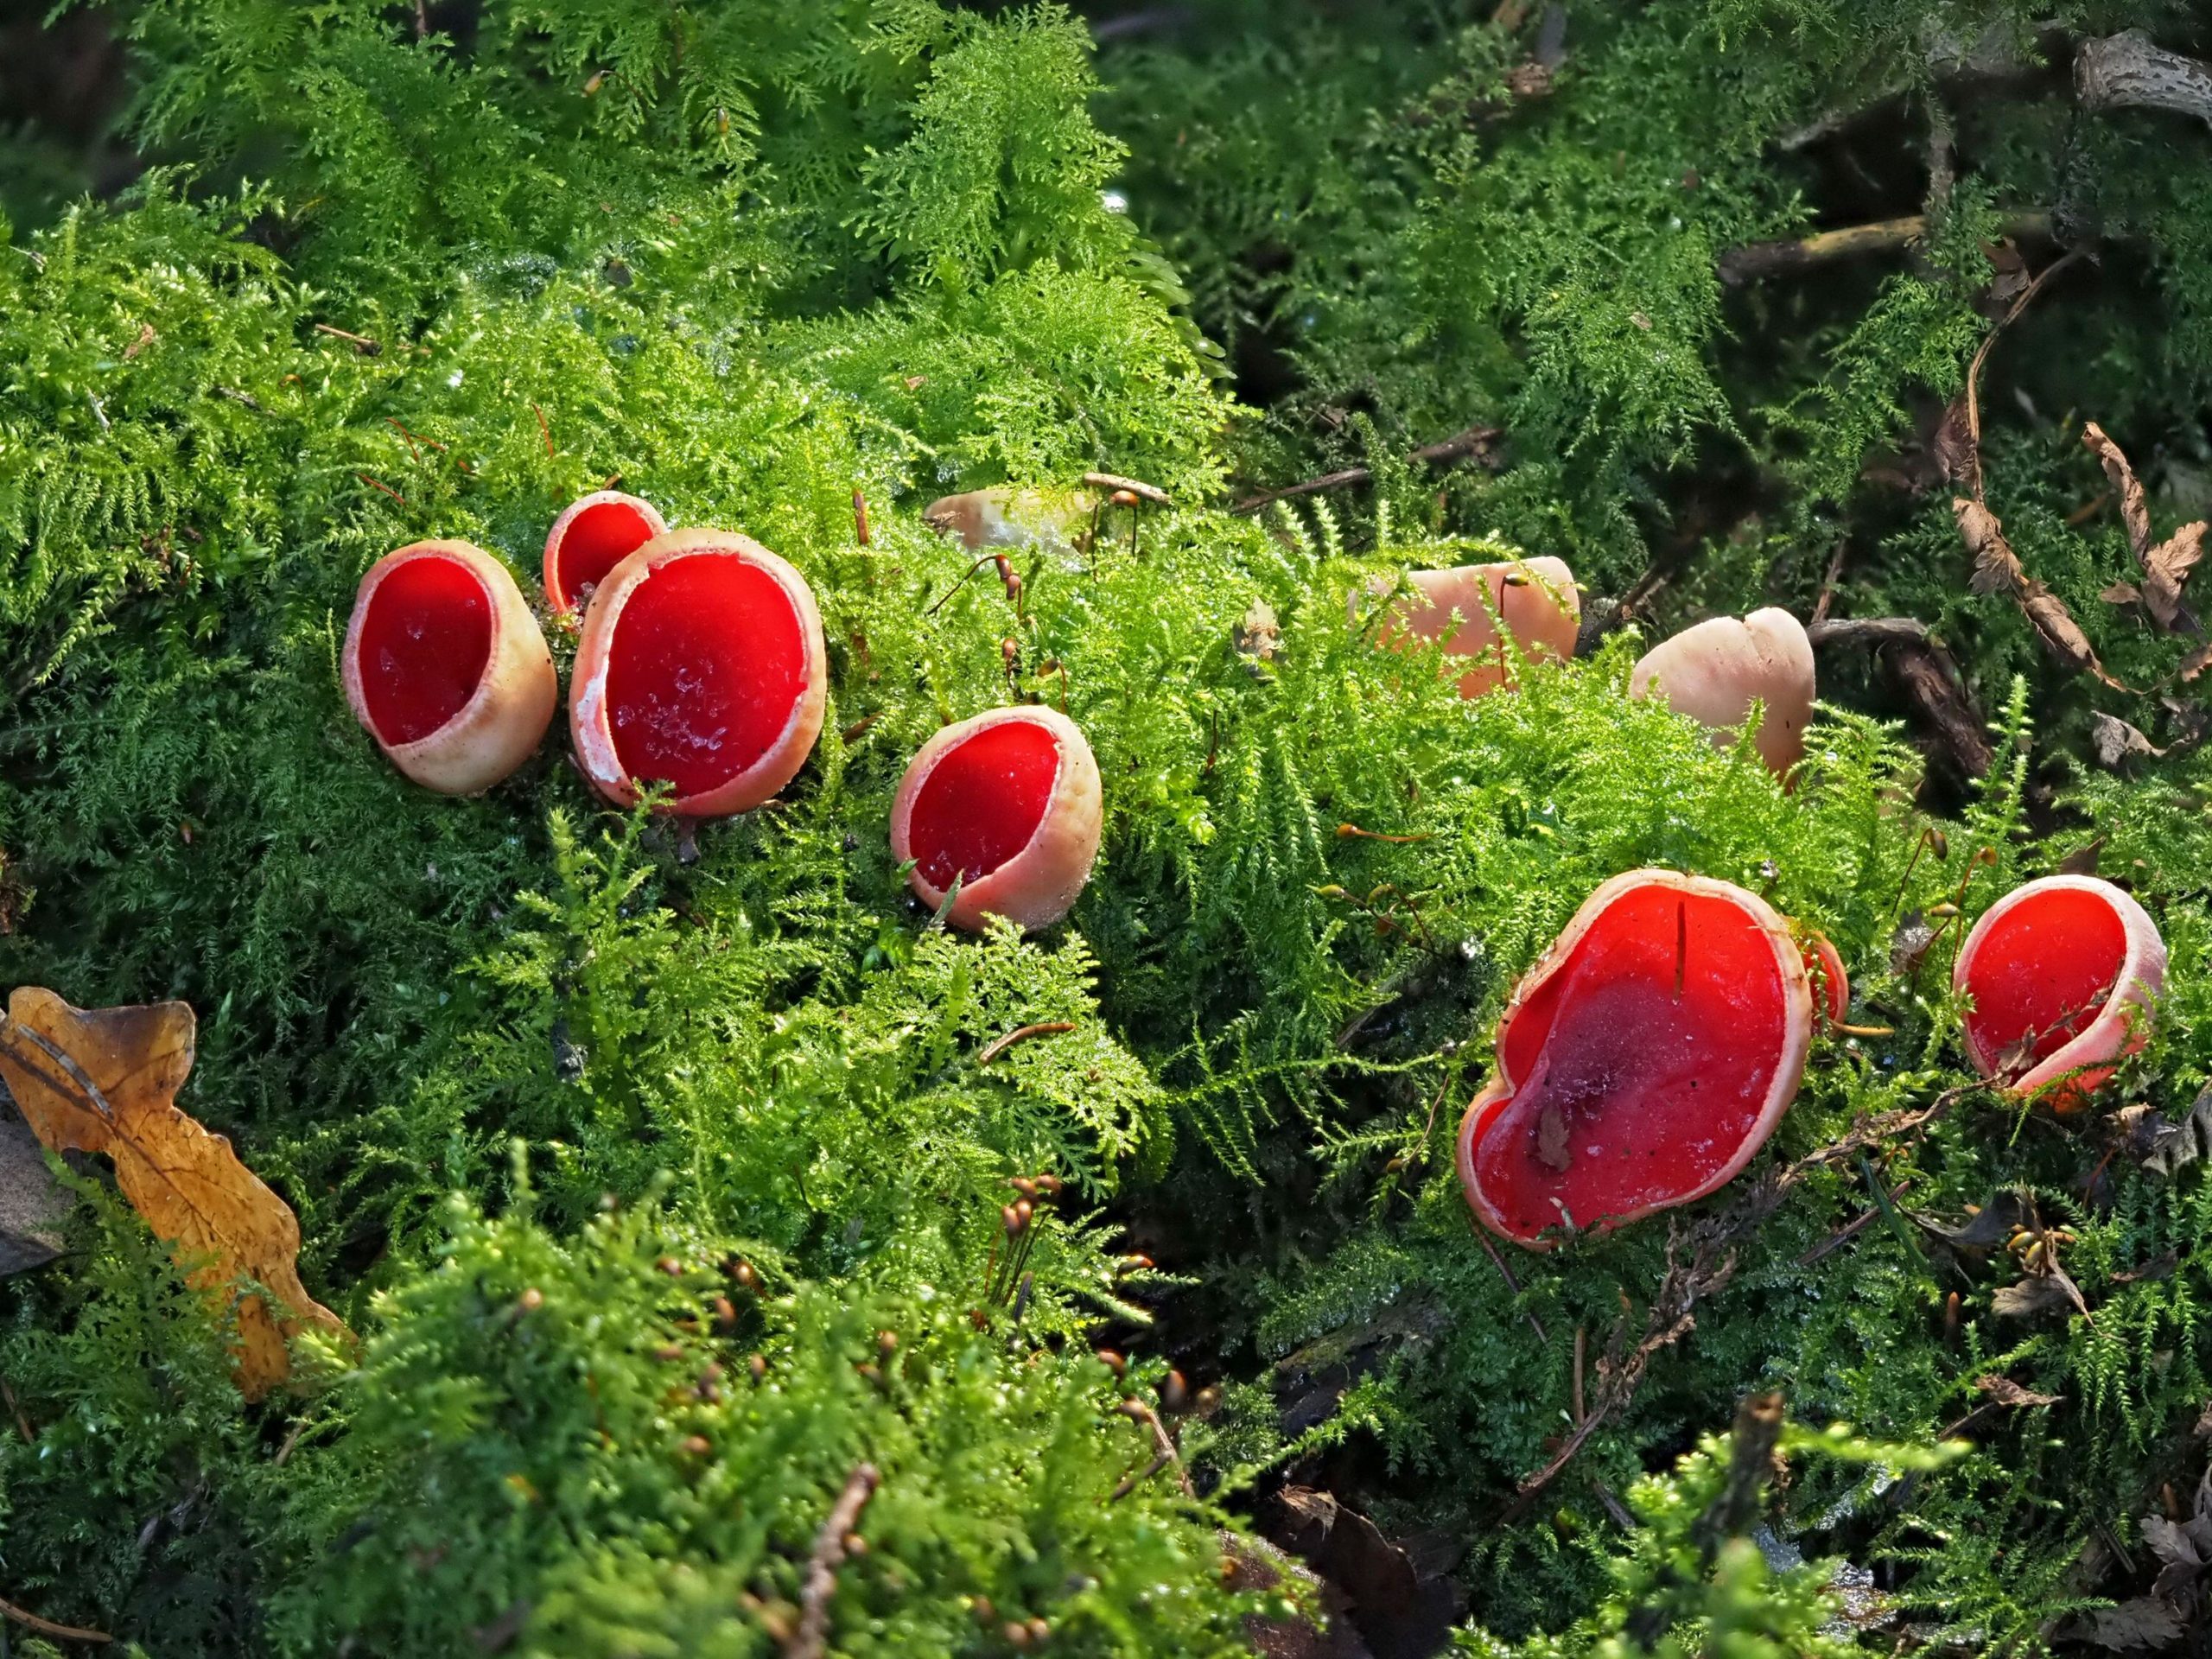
1162,772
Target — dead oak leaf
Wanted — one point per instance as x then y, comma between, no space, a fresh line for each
105,1081
1998,569
2117,742
2006,1392
2144,1622
2167,565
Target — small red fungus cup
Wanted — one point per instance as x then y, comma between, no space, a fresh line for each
1009,804
1831,984
700,666
1713,673
596,533
1535,598
1641,1062
2063,973
446,668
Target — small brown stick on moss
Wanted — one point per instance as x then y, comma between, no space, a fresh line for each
47,1627
1478,441
1982,356
1138,1411
378,484
860,520
544,429
811,1634
1112,481
360,343
1752,260
998,1045
22,1423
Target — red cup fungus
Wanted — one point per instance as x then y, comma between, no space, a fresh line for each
1008,803
1535,598
1713,673
1642,1062
446,668
2062,973
1831,984
701,664
595,534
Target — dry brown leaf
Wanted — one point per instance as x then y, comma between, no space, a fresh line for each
2144,1622
2166,566
2196,663
105,1081
2117,741
2134,511
1998,569
2006,1392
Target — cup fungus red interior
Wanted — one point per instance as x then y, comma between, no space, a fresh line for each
1713,673
590,538
1642,1062
1008,803
446,668
2062,973
700,666
1536,598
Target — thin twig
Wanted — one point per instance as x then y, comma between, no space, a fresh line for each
808,1640
998,1045
378,484
1851,1228
1982,356
360,343
1144,1413
1829,582
1866,630
1475,441
1581,1406
1111,481
47,1627
1752,260
1511,1283
544,429
22,1423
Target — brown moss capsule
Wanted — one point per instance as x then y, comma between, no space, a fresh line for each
757,1366
670,1266
697,1445
668,1353
533,1299
1015,1632
887,1342
1112,1361
1174,1391
1039,1630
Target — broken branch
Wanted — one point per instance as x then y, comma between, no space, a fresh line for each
1753,260
808,1640
1476,441
2126,71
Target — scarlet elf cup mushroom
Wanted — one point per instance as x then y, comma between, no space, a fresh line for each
701,664
2062,973
1642,1062
594,535
446,668
1535,599
1008,804
1715,671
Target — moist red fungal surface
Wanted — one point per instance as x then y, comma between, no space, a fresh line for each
423,646
597,539
982,804
2041,974
1831,985
707,661
1644,1065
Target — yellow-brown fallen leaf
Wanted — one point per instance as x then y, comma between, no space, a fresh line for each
1998,569
105,1080
2165,566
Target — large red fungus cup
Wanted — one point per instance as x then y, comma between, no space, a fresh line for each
1009,804
1535,598
700,665
2062,973
1713,673
1642,1062
595,534
445,667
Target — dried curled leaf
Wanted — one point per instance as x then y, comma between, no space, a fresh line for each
2006,1392
2167,565
105,1081
1997,570
2117,741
